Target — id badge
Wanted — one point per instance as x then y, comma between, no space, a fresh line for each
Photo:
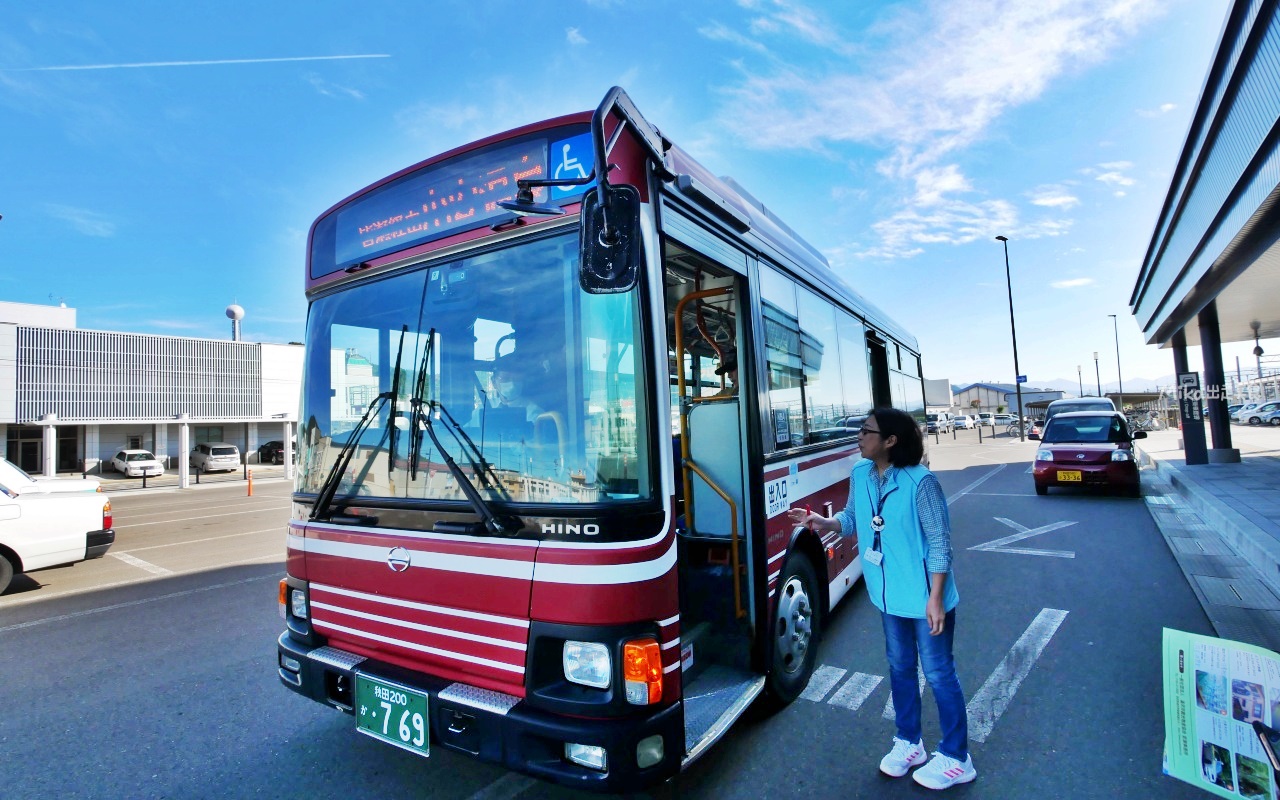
873,557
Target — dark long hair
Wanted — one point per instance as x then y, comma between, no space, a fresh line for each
909,449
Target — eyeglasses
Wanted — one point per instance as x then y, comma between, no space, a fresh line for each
867,430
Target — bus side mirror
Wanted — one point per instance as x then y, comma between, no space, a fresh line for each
609,248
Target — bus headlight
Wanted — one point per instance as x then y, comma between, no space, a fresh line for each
587,663
298,602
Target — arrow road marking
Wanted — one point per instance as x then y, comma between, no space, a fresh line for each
998,545
995,695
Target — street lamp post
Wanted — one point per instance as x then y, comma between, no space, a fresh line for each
1097,373
1013,330
1080,378
1116,326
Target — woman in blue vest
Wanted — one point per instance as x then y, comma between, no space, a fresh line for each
898,512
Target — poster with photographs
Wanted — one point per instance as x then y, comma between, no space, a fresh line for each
1215,690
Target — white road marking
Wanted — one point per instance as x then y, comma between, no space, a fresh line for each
278,528
174,595
197,508
889,712
206,516
140,564
510,785
1003,494
995,695
824,678
855,691
998,545
274,557
973,485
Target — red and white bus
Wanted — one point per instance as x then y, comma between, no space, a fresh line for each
535,519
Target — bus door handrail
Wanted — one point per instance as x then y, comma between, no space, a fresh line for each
687,465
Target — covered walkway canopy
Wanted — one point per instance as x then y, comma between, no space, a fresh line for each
1212,269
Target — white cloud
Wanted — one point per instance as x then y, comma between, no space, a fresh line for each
1053,196
574,37
1112,173
90,223
1073,283
1164,108
332,89
948,72
718,32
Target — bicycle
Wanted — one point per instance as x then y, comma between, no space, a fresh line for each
1014,429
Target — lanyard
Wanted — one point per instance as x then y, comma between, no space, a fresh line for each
877,500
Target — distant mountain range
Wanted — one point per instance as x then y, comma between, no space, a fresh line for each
1091,387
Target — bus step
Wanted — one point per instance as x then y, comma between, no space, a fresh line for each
713,700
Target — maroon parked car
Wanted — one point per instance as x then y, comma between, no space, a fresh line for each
1092,449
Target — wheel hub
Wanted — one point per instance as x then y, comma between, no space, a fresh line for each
795,625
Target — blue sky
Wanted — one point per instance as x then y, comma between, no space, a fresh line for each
181,172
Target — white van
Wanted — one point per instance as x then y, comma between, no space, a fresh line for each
1077,404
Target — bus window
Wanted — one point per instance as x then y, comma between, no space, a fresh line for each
820,356
854,370
783,358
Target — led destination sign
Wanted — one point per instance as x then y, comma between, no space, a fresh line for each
424,205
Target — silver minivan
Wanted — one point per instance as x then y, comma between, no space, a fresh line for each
215,456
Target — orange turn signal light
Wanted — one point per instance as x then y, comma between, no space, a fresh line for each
642,671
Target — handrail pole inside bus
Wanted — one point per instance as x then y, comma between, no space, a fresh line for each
739,611
680,387
686,464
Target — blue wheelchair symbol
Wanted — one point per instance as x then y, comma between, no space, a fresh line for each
571,158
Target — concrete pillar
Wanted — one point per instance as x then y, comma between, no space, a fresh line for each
50,422
92,447
288,449
1194,448
4,441
1214,387
251,440
184,447
161,451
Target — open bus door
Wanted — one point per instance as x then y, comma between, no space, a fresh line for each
711,403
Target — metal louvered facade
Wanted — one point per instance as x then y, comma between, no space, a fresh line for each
1217,240
101,376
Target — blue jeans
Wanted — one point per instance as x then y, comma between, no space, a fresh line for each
905,640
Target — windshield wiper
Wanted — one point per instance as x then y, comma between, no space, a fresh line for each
330,486
420,420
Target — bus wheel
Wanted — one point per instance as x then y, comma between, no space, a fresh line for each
795,629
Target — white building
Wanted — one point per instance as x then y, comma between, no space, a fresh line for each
71,398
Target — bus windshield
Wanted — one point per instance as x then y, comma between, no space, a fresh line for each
532,386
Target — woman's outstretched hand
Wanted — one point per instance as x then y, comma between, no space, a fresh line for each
801,516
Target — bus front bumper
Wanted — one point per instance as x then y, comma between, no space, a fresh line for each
499,729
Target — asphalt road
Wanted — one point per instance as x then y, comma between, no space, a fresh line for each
151,672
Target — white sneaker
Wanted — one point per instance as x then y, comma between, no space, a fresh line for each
903,757
943,772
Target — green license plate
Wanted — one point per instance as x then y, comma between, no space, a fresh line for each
1069,475
393,713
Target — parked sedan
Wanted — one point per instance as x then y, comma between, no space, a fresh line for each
1272,418
1258,415
965,422
137,463
1088,449
271,453
40,528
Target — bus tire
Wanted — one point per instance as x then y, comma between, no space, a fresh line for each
794,632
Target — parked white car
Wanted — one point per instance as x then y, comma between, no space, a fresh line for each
1258,416
986,418
16,479
40,528
137,463
1244,409
964,422
215,456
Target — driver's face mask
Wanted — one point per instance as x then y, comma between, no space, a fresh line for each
507,390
